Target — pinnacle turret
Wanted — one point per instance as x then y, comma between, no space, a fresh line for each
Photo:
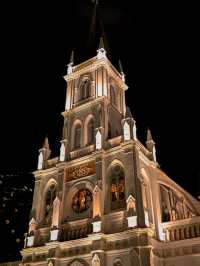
46,149
71,63
101,52
149,135
151,145
121,70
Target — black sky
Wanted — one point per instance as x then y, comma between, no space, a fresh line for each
158,45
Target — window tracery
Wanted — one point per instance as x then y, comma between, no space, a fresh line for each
81,200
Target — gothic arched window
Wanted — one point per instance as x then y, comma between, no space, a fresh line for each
85,89
77,136
117,187
90,132
49,199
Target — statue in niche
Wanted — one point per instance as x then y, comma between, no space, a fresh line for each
117,188
173,207
165,212
85,89
82,201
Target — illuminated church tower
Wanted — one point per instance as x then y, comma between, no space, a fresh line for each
104,200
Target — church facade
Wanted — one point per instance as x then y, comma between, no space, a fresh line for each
104,200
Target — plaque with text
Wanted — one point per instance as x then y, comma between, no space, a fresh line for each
81,170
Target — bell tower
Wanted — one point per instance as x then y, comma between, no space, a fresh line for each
104,201
95,95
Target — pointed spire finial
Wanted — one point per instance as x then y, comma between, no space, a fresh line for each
71,63
72,58
101,52
149,136
121,70
47,148
46,143
151,145
120,66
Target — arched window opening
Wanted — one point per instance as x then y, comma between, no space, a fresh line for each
90,133
113,95
85,89
117,189
77,137
49,199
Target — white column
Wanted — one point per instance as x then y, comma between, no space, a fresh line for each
134,131
62,150
40,160
98,140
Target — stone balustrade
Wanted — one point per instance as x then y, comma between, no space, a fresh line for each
182,229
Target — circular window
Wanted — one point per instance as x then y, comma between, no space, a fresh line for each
81,200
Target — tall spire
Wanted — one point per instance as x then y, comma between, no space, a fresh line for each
92,30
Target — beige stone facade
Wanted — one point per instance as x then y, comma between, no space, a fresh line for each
104,200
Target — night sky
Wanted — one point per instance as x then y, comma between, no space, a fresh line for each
158,46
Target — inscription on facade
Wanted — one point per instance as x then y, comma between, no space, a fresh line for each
81,170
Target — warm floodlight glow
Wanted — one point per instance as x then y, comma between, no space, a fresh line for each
99,89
